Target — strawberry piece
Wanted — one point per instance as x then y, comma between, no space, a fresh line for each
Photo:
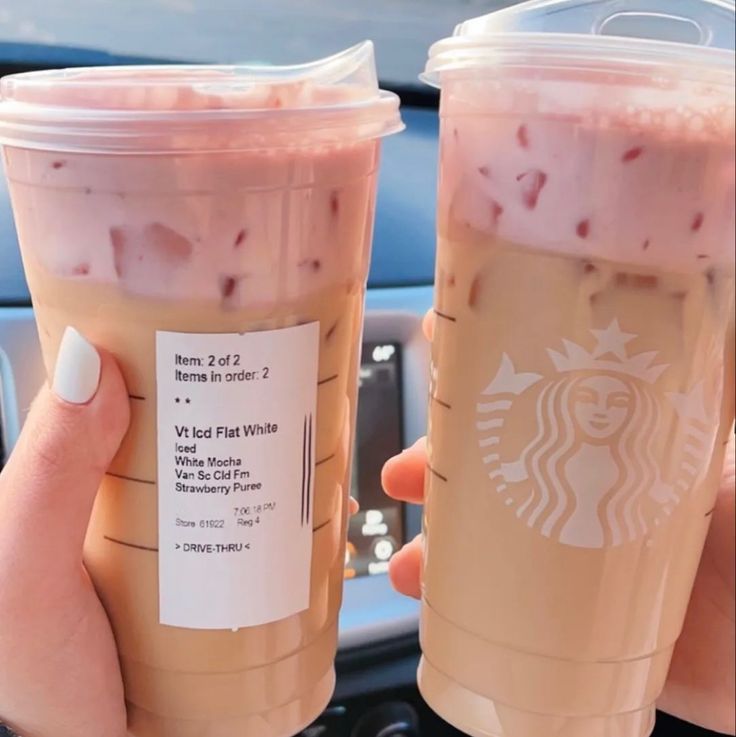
532,184
484,171
644,281
331,331
119,247
80,270
474,293
583,228
334,203
227,285
697,222
311,263
240,237
646,244
522,136
632,154
637,281
496,212
58,164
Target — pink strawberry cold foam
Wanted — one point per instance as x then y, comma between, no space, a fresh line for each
234,187
256,226
652,188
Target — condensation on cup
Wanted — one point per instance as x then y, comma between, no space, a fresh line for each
211,228
582,360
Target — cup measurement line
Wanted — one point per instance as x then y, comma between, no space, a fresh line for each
445,316
440,402
436,473
500,645
130,545
328,379
130,478
310,455
322,526
305,491
324,460
497,701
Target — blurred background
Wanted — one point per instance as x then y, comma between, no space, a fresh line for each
227,31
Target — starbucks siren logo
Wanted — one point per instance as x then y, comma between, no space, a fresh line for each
590,473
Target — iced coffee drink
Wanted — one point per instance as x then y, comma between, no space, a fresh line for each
582,395
211,228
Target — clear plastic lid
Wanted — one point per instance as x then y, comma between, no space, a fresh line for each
158,109
693,35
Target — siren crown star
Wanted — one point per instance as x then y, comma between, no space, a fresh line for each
612,340
610,354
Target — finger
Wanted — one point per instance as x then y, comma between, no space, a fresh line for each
428,325
353,506
405,569
403,475
721,543
71,435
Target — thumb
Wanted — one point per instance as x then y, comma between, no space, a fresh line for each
71,435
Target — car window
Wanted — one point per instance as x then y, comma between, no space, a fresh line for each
229,31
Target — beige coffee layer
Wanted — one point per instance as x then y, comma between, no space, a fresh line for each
126,325
274,722
478,716
221,695
488,573
127,580
230,683
527,681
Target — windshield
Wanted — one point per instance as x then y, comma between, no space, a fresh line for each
230,31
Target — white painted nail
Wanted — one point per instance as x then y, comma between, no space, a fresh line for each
77,373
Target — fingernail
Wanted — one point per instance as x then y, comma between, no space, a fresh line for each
77,372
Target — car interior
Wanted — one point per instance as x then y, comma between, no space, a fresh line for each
376,694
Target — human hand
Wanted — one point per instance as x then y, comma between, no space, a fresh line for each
59,671
700,686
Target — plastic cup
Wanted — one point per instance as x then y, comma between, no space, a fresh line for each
582,359
211,227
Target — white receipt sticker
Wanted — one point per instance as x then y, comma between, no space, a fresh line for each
236,424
